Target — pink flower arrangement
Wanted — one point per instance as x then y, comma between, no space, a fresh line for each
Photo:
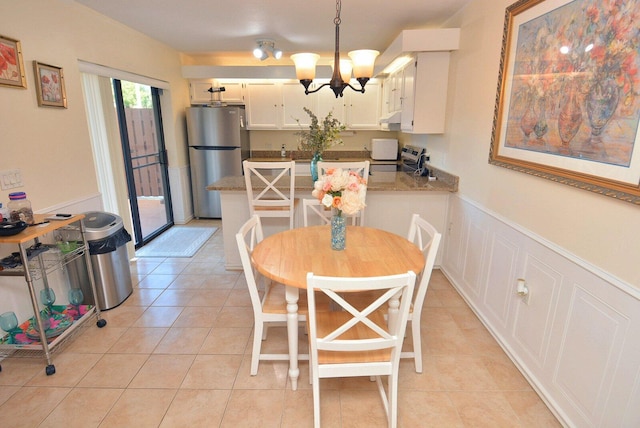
341,189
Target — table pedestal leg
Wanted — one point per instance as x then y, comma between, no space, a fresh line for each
292,332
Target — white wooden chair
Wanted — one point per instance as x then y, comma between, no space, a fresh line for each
427,238
350,342
271,194
361,167
314,213
272,307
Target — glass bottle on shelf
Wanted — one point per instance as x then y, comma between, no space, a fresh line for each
20,207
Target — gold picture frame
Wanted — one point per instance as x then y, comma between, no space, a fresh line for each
568,101
50,85
11,65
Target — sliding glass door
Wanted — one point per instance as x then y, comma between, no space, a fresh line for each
145,159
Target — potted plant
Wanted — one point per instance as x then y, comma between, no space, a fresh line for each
319,138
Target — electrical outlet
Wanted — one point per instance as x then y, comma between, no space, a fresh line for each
10,179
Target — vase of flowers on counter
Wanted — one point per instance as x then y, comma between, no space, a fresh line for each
319,138
344,192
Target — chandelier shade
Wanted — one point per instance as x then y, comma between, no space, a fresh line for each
362,62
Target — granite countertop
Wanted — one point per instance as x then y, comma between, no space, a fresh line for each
378,181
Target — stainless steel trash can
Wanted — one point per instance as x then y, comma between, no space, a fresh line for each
107,238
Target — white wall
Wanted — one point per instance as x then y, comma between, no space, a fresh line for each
598,229
51,146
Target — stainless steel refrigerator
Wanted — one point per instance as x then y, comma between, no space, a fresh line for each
218,143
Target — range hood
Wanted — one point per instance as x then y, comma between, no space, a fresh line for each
392,118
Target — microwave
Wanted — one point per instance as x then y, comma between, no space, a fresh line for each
384,149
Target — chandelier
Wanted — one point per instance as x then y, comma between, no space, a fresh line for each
361,64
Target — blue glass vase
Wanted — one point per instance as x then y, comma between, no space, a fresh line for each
317,156
338,231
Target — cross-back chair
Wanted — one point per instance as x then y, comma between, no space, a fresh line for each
270,188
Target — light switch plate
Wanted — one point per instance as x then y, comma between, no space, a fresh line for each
10,179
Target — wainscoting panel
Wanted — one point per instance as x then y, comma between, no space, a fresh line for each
576,339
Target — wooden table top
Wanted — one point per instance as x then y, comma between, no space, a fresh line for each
286,257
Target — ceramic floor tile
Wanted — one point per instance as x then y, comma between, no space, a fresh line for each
174,297
182,340
160,316
146,407
170,267
271,375
239,297
113,371
31,405
212,372
427,409
196,408
484,409
122,316
18,371
163,371
210,297
143,296
464,373
531,410
95,340
361,408
83,408
156,281
234,317
197,316
6,392
227,341
247,409
138,340
220,282
70,368
184,281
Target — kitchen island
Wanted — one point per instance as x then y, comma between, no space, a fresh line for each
392,198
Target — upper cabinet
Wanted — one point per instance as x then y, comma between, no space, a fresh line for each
425,94
199,91
273,104
417,94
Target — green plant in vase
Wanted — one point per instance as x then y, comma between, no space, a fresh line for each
320,137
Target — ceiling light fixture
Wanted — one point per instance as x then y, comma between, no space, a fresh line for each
362,61
264,47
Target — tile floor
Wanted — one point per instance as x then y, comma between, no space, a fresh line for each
176,353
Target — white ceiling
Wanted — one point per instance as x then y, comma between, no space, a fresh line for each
215,26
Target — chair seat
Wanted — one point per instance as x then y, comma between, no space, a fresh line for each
328,321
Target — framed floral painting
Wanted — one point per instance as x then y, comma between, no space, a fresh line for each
11,66
568,102
50,85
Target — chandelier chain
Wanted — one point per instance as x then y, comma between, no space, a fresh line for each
337,20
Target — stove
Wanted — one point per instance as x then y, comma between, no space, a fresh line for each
412,158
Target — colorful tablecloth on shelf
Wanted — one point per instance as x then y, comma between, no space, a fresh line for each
62,318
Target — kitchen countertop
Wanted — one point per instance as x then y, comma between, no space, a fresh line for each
378,181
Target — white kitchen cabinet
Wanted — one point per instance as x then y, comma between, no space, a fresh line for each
233,91
354,109
294,101
424,99
264,105
199,92
363,110
392,93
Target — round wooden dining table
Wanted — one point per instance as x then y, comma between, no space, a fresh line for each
286,257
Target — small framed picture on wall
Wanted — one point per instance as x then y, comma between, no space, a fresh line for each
50,85
11,66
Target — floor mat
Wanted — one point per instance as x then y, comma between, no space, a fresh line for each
179,241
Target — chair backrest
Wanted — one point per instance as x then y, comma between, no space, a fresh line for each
314,213
248,236
427,238
360,167
360,332
271,192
